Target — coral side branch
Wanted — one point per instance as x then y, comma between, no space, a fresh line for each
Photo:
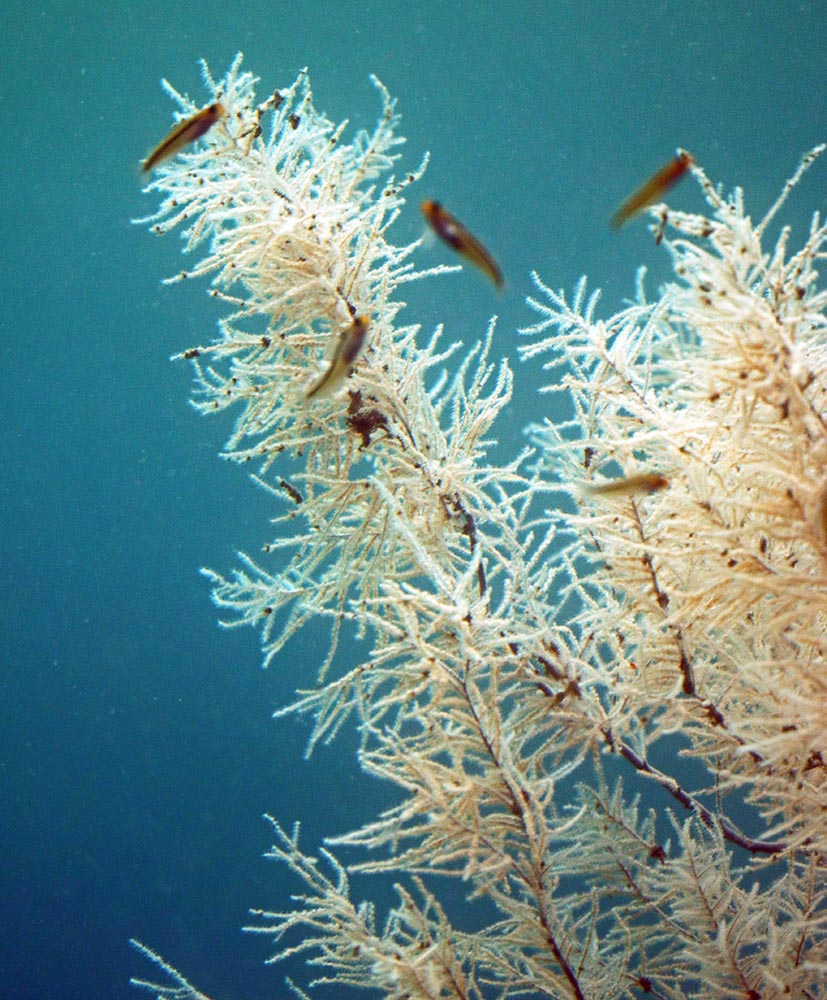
709,593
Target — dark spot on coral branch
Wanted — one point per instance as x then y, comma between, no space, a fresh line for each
660,229
660,595
470,530
549,668
190,353
571,690
294,120
291,491
364,422
688,674
715,715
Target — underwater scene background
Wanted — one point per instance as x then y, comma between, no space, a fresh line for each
137,749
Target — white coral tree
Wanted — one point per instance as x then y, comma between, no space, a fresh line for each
531,640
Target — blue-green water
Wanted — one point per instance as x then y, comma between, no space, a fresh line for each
137,751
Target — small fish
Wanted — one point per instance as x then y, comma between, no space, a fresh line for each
348,348
185,132
452,231
645,482
658,184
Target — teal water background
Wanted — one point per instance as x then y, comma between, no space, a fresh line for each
137,751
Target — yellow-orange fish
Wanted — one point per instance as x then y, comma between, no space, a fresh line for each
184,133
658,184
348,348
452,231
645,482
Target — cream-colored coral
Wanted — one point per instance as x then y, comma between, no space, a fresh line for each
525,653
712,592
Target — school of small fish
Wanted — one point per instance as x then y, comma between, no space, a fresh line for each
457,236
